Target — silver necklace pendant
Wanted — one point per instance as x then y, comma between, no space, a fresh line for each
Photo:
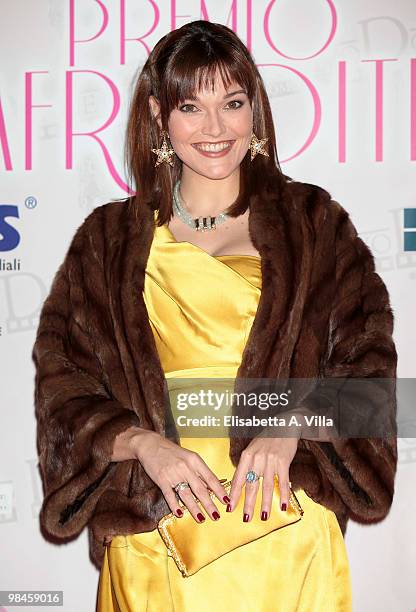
203,224
200,224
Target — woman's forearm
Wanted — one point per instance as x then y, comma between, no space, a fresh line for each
318,433
315,433
123,448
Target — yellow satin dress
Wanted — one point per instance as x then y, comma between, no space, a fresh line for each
201,309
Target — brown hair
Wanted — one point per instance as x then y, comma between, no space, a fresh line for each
181,63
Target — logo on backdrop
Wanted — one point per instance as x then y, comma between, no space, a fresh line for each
9,232
409,238
9,235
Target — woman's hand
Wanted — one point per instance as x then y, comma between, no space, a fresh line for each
267,457
167,464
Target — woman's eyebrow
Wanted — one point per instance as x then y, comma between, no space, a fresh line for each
233,93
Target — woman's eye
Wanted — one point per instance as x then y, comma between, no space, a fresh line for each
239,102
184,106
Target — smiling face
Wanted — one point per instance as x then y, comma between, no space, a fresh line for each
200,128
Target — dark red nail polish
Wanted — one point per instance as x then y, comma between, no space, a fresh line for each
215,515
245,518
226,499
263,515
200,517
228,507
179,512
284,507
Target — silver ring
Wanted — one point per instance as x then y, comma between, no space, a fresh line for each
180,486
252,476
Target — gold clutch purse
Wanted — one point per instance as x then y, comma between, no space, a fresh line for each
194,545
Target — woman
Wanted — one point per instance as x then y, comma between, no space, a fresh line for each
282,286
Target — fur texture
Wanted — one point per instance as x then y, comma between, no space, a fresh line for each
323,311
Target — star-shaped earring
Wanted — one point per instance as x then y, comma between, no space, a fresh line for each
164,154
257,146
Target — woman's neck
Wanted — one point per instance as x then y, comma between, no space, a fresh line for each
204,197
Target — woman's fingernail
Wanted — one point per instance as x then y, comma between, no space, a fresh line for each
228,507
179,512
215,515
263,515
245,518
284,507
226,499
200,517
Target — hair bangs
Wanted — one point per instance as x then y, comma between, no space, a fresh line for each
195,74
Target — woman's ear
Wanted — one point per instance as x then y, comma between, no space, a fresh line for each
155,110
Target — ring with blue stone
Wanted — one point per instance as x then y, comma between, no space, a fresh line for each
252,476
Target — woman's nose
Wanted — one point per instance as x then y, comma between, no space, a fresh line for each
213,125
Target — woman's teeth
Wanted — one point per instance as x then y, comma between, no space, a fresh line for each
213,147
